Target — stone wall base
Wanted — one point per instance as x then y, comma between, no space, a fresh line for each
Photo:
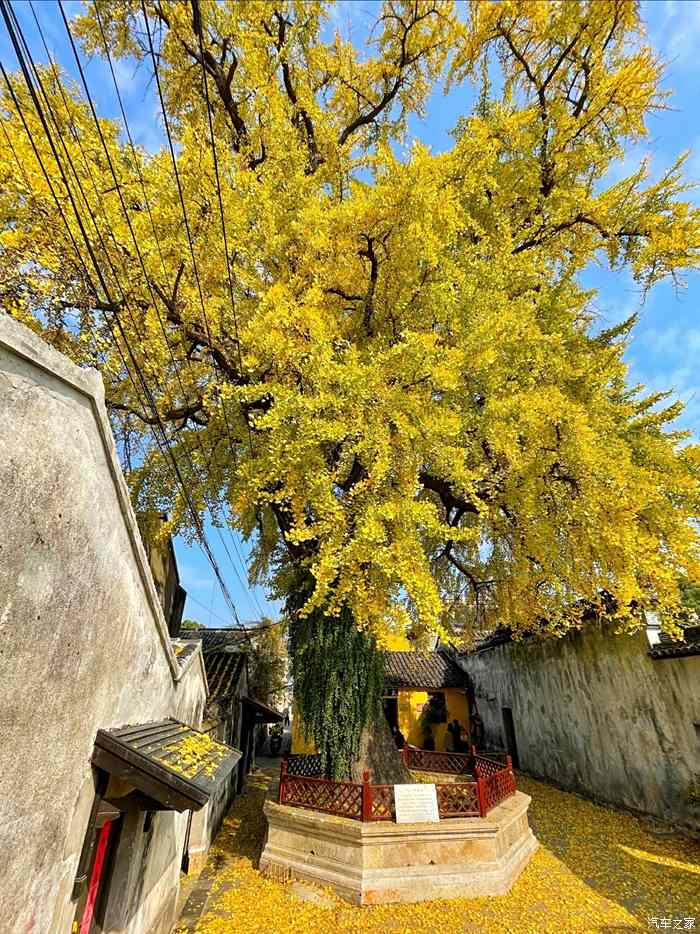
384,862
197,860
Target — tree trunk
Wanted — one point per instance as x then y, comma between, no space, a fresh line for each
379,756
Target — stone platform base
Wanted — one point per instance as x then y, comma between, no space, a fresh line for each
383,862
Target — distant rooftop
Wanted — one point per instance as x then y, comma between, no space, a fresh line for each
216,640
224,671
668,648
422,670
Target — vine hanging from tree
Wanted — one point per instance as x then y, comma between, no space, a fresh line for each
338,676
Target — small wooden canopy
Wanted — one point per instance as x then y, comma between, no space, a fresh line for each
168,761
261,713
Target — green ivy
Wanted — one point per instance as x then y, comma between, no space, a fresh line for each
338,676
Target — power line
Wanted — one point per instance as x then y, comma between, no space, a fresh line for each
7,16
198,20
164,442
118,187
252,629
194,261
108,55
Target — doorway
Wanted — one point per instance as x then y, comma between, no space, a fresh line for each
391,711
509,731
91,905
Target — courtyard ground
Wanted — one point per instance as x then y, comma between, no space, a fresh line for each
597,870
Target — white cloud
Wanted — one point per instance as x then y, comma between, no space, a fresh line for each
674,27
193,579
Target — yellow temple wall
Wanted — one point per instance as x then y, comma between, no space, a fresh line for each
410,707
300,745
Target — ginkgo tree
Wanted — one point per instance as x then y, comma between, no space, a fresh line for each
378,358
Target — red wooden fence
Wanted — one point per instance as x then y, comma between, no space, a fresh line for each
495,781
425,760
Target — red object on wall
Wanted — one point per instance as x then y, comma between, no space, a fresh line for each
96,877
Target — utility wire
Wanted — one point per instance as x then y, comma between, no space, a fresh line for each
194,261
85,199
146,277
242,580
6,13
197,15
76,136
69,159
252,629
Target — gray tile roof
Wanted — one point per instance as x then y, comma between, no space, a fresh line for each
426,670
215,640
224,670
689,645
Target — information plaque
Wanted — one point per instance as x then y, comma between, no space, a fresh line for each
415,803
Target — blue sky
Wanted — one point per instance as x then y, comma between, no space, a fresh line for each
666,342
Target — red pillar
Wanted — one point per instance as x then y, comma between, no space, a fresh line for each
283,776
481,792
366,797
96,877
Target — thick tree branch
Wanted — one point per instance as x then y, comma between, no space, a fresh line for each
401,66
545,233
197,336
301,118
346,296
223,82
449,499
194,412
369,253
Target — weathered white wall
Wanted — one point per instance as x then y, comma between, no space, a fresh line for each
595,713
83,643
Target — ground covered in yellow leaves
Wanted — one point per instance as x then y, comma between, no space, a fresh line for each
597,870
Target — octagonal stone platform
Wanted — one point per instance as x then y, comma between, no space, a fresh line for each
383,862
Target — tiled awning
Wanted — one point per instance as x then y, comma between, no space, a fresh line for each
675,649
425,671
261,713
168,761
224,671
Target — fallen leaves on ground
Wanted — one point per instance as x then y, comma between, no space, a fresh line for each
597,870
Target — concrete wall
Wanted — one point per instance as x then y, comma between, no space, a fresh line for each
593,712
224,722
83,646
